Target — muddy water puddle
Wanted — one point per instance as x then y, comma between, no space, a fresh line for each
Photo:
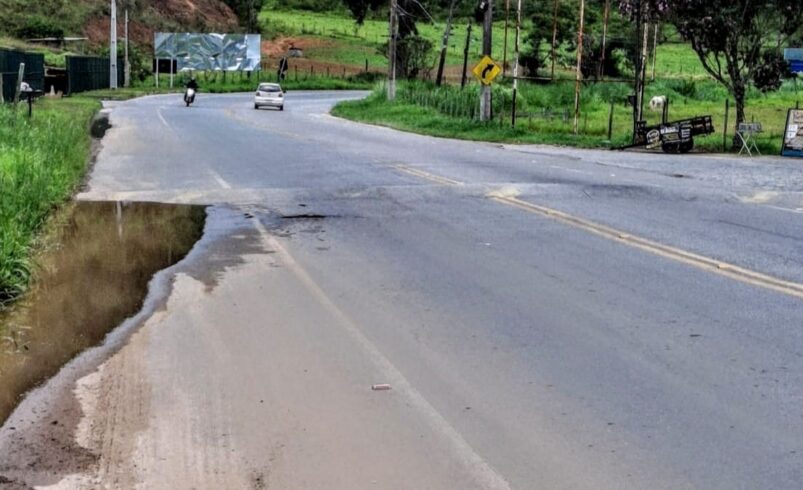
93,276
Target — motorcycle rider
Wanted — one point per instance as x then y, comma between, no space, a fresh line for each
192,84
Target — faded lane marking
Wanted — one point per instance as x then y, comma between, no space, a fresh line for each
426,175
162,118
477,467
788,210
232,114
760,197
220,180
509,197
573,170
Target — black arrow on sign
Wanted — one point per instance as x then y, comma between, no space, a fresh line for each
487,69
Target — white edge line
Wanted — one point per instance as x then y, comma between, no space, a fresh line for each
479,469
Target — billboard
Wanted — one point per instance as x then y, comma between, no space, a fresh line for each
209,52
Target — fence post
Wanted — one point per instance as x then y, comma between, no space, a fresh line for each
610,121
20,75
725,128
2,100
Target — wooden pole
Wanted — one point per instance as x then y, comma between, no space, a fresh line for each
485,91
392,32
554,36
643,74
605,20
444,45
18,88
516,63
725,128
504,49
465,56
610,122
654,51
579,74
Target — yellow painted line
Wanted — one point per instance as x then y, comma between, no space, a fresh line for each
708,264
426,175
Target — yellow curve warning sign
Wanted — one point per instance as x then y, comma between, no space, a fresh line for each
486,70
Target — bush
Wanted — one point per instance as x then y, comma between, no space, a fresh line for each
36,26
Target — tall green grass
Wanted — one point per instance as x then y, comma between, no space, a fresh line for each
42,160
545,113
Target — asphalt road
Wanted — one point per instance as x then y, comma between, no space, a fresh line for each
546,318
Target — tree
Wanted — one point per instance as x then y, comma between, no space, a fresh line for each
247,11
359,8
738,41
412,51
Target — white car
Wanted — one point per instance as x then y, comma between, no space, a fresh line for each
269,95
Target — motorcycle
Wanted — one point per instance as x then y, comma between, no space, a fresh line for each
189,96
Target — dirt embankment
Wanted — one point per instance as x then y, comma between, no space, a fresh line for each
166,15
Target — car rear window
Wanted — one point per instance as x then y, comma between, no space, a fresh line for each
269,88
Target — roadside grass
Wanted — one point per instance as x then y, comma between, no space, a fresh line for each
352,44
232,83
545,113
42,161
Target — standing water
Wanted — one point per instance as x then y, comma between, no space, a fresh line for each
93,275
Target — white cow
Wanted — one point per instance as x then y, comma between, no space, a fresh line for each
657,103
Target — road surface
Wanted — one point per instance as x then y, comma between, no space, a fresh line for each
545,318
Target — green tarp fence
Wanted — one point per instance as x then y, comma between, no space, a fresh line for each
9,69
90,73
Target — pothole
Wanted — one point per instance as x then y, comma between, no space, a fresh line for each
93,276
303,216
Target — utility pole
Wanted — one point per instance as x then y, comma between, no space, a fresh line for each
638,71
516,62
485,91
113,47
393,31
465,56
127,67
445,44
578,76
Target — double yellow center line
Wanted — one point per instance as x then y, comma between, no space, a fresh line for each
699,261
